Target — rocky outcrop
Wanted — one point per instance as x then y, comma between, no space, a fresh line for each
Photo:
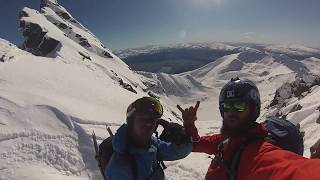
84,42
298,88
36,40
84,56
4,58
122,83
107,54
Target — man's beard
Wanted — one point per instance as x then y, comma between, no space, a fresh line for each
235,131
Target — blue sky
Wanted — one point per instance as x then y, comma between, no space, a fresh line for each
123,24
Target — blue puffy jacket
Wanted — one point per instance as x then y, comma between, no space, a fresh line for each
119,167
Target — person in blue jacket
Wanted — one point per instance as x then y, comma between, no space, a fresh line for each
137,153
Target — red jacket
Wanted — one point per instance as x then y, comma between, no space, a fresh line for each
259,160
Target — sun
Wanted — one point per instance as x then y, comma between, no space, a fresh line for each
208,2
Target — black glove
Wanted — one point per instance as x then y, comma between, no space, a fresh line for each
173,132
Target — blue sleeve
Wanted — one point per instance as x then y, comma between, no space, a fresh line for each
170,151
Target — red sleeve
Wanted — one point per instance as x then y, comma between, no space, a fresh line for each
205,144
269,162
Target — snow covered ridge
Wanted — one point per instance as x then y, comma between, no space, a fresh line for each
294,50
299,88
53,32
171,85
9,51
44,30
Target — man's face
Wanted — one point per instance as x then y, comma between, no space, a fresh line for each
236,121
143,127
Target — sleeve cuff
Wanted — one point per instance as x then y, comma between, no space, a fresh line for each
193,132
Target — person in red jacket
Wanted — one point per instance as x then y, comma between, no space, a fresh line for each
239,152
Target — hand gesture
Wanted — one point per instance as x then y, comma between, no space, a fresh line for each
189,115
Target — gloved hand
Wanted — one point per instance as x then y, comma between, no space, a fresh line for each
173,132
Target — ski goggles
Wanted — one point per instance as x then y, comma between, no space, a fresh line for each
238,106
149,105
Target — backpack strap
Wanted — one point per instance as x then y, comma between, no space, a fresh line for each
134,165
232,166
159,162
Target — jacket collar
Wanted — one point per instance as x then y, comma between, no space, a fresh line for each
121,144
230,145
256,130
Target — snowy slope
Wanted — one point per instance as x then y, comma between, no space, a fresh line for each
48,111
50,102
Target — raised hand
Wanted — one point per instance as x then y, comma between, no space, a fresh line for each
189,115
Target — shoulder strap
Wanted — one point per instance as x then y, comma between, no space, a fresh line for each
134,166
159,162
232,167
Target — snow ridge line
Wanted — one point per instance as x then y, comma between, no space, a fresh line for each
92,122
60,115
33,134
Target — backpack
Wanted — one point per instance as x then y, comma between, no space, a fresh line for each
105,152
284,134
281,133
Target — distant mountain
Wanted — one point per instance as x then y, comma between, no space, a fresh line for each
176,58
180,58
294,51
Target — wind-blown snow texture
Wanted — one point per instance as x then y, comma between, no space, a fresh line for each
50,103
